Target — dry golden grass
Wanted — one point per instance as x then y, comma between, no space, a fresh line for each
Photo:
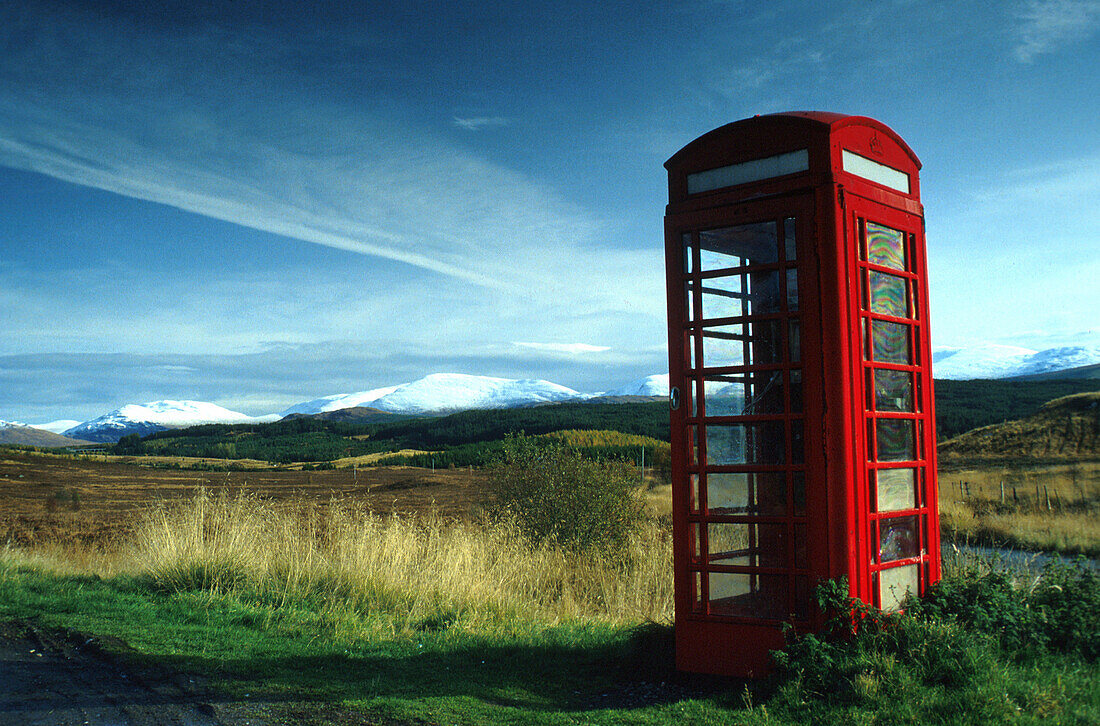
416,568
367,459
1054,507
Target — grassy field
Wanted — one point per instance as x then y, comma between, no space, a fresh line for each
384,594
430,620
1052,507
49,498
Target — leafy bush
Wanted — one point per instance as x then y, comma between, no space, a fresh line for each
557,496
862,652
962,635
1061,612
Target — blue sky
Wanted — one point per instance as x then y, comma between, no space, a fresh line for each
260,204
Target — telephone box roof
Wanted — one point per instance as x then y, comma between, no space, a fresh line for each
810,122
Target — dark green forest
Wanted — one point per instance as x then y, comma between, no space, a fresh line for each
471,438
467,438
965,405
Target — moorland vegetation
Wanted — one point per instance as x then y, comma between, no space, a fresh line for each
492,620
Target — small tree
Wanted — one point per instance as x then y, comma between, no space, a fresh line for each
130,444
555,495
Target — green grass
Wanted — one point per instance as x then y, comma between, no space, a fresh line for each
982,649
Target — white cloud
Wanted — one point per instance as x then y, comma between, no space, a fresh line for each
1047,25
570,348
477,123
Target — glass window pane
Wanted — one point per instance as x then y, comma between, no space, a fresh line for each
726,395
792,289
801,597
685,241
745,394
890,342
749,595
885,246
888,294
895,439
896,489
746,244
893,390
689,300
801,552
798,492
750,443
763,492
796,390
794,341
747,544
755,343
763,292
693,492
697,591
898,539
724,297
693,445
894,584
797,447
790,227
724,345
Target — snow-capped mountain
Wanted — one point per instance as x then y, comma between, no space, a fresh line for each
58,427
445,392
339,401
149,418
1005,361
655,385
20,434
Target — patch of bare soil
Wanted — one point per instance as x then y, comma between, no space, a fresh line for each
47,498
61,678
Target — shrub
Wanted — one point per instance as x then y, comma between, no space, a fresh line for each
1061,612
863,653
962,635
556,496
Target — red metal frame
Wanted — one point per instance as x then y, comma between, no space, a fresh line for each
743,571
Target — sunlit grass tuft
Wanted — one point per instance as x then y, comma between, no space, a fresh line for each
419,570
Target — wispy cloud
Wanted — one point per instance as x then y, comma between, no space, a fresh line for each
569,348
477,123
1047,25
231,132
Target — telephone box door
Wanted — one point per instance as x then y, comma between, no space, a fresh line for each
744,334
897,524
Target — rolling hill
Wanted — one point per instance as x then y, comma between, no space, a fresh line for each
1066,428
16,434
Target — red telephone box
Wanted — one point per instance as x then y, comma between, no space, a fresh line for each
803,430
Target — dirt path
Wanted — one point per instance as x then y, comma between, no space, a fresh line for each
59,678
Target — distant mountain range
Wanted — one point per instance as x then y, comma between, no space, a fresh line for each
157,416
1006,361
433,395
443,393
18,434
